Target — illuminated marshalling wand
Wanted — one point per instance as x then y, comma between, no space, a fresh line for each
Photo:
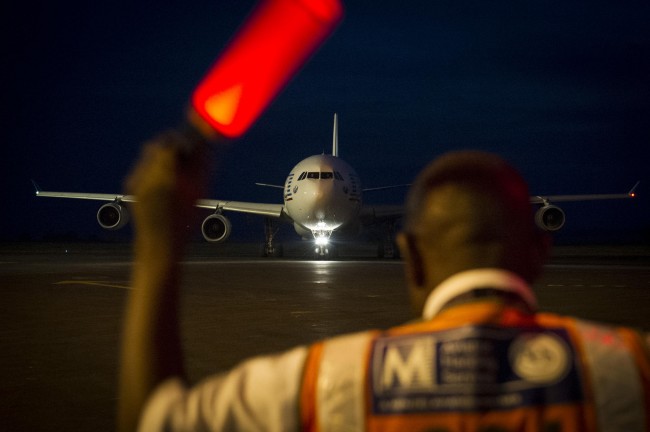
274,42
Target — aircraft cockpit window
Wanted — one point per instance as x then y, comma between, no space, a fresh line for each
326,175
313,175
338,175
302,176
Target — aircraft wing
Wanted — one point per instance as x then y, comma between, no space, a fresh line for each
272,210
87,196
381,213
83,195
539,199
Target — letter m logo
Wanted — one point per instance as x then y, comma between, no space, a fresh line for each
401,365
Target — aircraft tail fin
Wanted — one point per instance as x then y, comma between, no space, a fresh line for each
335,137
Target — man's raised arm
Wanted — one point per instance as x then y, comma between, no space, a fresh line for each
166,182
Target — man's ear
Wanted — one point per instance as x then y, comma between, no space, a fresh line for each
414,264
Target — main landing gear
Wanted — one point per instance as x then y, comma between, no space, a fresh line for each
268,248
387,247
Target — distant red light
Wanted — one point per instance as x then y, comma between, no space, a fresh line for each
273,44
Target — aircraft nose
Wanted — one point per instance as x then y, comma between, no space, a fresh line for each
321,204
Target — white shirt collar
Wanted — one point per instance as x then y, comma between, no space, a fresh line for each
466,281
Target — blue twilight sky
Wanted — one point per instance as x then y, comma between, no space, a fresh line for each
560,88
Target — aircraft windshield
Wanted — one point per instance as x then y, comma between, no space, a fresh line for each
326,175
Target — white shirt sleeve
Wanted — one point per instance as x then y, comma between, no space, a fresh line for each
261,394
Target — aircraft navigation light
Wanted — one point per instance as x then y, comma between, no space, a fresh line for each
274,42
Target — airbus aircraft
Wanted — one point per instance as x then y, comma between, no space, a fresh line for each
322,197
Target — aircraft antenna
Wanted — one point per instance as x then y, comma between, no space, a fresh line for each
335,137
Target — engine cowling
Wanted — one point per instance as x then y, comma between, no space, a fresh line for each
550,218
216,228
112,216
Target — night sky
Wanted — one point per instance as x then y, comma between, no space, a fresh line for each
561,89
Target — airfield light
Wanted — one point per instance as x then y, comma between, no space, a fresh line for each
274,42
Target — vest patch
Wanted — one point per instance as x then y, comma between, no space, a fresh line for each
473,368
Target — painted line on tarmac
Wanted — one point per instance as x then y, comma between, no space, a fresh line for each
91,283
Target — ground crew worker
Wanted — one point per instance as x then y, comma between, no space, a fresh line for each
482,358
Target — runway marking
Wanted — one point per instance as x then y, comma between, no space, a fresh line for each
92,283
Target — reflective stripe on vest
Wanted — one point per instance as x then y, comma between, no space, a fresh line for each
341,385
614,379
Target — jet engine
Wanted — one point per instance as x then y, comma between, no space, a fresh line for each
112,216
550,217
216,228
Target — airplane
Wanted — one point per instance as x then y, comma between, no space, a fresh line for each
322,197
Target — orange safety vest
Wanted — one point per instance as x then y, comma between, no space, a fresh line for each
480,367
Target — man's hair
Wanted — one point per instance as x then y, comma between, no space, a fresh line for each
482,175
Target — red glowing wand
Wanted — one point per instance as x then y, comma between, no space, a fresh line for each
275,41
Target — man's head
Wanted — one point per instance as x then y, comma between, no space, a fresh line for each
468,210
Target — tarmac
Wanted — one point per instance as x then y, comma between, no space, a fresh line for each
61,311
